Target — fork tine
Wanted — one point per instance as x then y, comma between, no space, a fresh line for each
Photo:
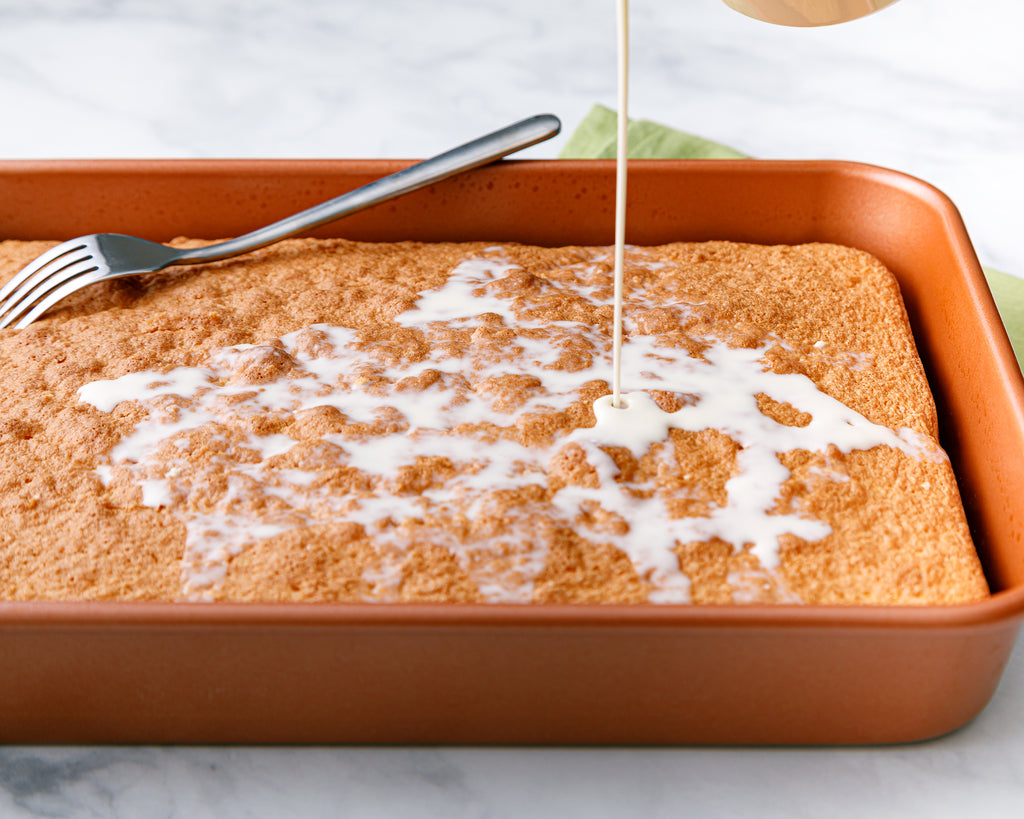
51,298
52,274
45,282
45,278
81,279
39,262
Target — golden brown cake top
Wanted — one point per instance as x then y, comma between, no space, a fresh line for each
332,420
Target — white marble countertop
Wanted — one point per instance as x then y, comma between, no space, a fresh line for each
931,87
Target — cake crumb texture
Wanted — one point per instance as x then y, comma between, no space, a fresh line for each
327,420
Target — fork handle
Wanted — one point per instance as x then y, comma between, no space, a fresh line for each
473,154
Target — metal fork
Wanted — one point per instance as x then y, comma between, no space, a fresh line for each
72,265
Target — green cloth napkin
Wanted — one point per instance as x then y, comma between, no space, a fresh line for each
1008,291
595,138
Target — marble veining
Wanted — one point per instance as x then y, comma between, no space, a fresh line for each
931,87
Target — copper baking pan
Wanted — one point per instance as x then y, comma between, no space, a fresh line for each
131,672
